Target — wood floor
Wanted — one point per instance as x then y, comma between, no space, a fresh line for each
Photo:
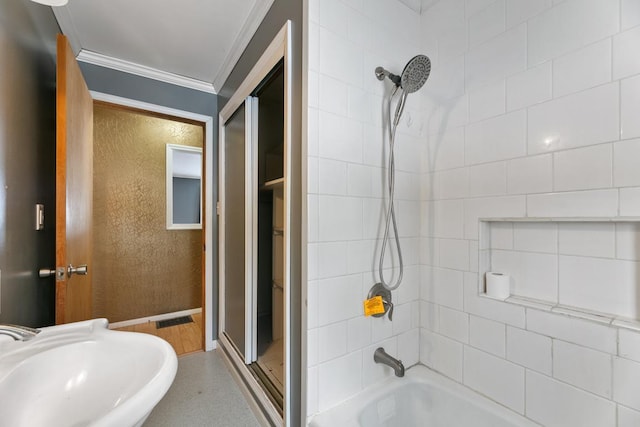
185,338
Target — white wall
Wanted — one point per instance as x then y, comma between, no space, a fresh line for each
532,110
347,41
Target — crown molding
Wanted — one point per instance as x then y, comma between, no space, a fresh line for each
248,30
143,71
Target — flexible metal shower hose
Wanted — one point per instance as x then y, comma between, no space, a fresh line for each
391,213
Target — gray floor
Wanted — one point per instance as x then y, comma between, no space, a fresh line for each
203,394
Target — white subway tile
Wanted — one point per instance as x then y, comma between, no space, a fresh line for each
442,286
594,239
530,350
499,311
333,16
339,299
596,203
496,59
359,255
630,13
332,95
501,235
381,329
628,241
340,218
490,207
629,344
487,23
625,169
498,138
451,43
626,388
532,174
359,180
312,304
451,184
487,335
313,125
443,219
340,138
529,87
441,16
625,59
533,275
502,381
339,379
454,324
332,341
312,391
441,354
582,367
312,347
519,11
332,177
358,333
373,372
332,259
570,25
487,101
429,316
445,150
535,237
409,347
630,201
446,81
584,168
602,285
473,7
583,69
630,105
401,317
583,118
554,404
489,179
429,252
628,417
454,254
362,106
340,58
577,331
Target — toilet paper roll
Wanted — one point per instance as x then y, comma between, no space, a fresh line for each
498,285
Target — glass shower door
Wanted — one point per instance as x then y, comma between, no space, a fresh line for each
239,229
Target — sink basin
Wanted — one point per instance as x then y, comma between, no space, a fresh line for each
83,374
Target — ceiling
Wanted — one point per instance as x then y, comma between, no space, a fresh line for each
191,43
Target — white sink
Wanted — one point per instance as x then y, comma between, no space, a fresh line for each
83,374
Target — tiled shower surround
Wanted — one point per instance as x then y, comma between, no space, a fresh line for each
532,111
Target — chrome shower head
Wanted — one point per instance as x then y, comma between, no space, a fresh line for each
414,75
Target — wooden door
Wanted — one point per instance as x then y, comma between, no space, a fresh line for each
74,184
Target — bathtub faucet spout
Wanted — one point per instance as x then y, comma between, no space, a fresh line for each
381,356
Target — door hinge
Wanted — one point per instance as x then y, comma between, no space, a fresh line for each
218,208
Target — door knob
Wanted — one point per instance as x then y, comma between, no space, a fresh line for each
80,270
47,272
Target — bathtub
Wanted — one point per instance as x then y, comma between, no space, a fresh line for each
422,398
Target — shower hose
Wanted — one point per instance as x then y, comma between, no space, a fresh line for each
390,219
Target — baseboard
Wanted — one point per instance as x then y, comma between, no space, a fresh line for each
155,318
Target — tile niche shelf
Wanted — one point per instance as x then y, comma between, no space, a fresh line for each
581,267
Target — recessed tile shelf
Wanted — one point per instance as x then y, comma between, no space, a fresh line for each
582,267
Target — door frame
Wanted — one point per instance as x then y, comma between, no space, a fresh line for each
209,217
280,49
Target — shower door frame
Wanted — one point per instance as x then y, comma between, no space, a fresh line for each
280,49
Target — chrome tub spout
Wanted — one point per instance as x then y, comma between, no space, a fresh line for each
381,356
18,333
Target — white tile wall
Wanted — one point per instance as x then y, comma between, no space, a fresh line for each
530,111
554,404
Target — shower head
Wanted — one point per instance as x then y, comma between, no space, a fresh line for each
414,75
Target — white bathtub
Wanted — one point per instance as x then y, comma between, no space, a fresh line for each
422,398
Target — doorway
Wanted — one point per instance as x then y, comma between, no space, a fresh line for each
254,242
146,270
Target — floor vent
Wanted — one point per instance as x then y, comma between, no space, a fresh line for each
173,322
